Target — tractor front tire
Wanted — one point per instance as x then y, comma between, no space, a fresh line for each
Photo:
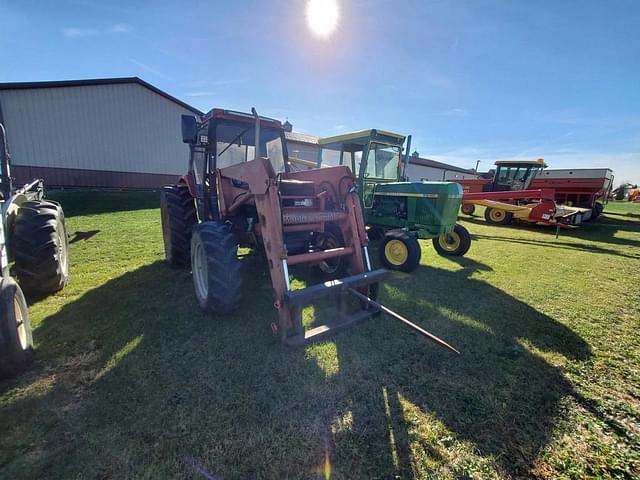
16,342
215,268
468,208
454,244
495,216
333,268
40,247
400,251
178,215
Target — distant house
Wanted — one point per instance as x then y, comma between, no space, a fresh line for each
424,169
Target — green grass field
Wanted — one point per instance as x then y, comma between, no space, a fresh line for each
131,380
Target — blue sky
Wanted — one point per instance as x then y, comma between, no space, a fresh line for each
477,79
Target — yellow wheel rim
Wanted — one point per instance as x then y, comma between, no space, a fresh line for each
496,215
449,241
396,252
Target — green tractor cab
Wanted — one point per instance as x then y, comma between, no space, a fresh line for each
401,211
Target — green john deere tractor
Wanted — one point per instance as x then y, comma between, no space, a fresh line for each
399,211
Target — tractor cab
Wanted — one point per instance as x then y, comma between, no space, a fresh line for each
224,138
514,175
381,151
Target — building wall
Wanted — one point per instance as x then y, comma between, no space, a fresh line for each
302,151
417,173
118,135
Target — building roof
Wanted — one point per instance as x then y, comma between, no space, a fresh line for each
363,136
301,138
425,162
97,81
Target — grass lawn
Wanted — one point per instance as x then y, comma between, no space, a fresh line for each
131,380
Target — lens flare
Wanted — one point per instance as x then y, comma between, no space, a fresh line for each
322,16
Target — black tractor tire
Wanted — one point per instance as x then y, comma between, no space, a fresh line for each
468,208
40,246
333,268
495,216
16,341
178,215
215,268
400,251
455,244
598,208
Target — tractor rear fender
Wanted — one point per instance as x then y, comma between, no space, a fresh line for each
190,181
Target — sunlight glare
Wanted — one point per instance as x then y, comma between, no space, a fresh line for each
322,16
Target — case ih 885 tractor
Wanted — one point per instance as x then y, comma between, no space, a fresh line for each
233,195
32,235
402,211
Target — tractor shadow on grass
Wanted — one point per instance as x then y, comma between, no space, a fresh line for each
141,383
499,394
601,230
555,244
88,202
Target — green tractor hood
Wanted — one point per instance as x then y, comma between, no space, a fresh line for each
431,207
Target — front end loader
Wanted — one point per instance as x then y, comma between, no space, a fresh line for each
34,246
239,191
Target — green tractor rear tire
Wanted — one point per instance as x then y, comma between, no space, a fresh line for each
454,244
16,342
178,215
400,251
40,247
495,216
215,267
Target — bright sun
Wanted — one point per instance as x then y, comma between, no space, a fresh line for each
322,16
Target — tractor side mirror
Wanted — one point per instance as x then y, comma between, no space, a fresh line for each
189,129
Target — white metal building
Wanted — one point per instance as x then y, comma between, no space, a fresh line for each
106,133
122,133
302,148
424,169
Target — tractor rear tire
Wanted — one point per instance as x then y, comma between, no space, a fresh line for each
455,244
40,247
178,214
215,268
495,216
16,342
598,208
468,208
400,251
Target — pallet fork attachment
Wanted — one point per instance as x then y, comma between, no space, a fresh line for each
400,318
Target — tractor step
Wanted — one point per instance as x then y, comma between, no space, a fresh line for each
319,332
310,294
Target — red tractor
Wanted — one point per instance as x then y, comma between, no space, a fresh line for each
239,192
